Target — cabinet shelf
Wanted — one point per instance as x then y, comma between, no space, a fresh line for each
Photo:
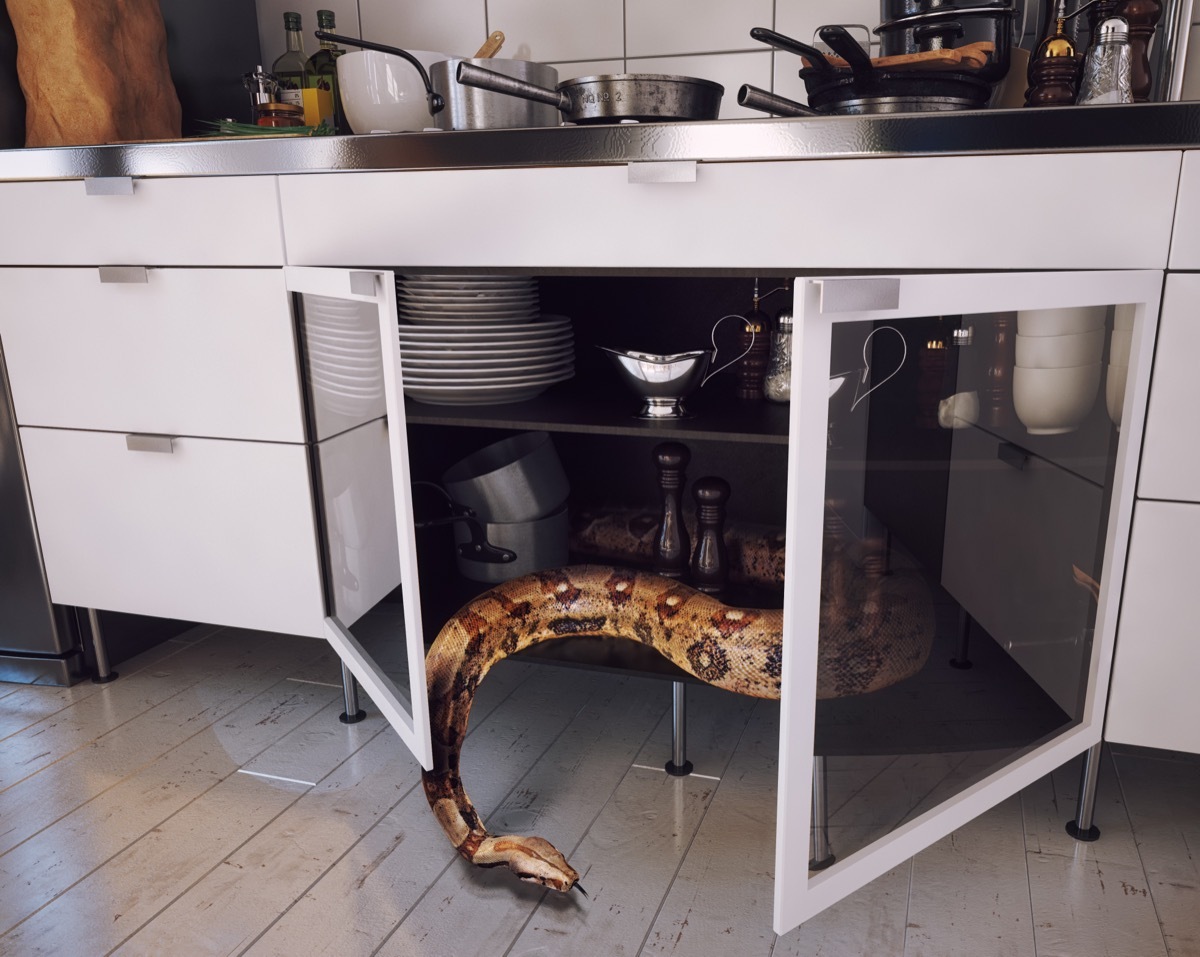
574,406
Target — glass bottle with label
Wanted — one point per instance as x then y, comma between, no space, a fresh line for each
324,63
293,70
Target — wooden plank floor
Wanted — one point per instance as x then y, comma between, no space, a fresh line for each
210,802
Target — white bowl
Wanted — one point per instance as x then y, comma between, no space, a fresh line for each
1114,392
1119,346
1123,316
1052,401
383,93
1060,322
1053,352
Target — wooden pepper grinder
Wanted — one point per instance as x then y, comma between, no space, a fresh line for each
755,343
710,561
995,398
672,546
1055,67
1142,17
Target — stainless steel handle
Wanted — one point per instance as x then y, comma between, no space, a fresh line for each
859,295
147,442
108,186
124,274
672,171
470,75
754,98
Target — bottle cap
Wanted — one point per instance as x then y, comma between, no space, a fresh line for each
1114,30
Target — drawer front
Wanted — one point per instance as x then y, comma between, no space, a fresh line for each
207,352
201,221
209,531
1170,457
812,214
1185,243
1152,701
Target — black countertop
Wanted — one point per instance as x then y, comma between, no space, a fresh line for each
1064,129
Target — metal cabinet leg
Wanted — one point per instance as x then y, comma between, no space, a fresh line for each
1082,828
679,765
104,672
353,713
821,854
961,660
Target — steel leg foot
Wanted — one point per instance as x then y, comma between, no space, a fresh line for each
353,713
1082,828
679,765
961,661
821,855
104,672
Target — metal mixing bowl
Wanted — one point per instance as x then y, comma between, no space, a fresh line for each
663,382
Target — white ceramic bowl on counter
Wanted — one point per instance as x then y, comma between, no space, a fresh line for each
383,93
1060,322
1114,392
1054,401
1054,352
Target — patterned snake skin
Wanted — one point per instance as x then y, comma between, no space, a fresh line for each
874,631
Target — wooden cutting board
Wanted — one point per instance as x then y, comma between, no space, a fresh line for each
972,56
94,71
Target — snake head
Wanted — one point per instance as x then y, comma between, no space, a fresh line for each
532,859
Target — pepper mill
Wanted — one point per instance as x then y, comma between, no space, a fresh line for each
1142,17
1054,67
755,344
672,545
996,395
710,561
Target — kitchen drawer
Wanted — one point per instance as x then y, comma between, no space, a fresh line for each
1185,244
1152,701
1013,533
963,212
200,221
210,531
1170,457
183,351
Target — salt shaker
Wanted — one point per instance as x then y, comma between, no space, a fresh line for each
777,386
1109,65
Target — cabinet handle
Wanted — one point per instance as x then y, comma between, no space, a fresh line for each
859,295
1013,455
363,283
671,171
146,442
125,274
108,186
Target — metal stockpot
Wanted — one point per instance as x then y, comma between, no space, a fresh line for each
471,108
533,545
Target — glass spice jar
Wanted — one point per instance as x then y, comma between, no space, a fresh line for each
274,113
777,386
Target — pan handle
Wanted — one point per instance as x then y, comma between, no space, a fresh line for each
788,45
436,103
756,99
471,75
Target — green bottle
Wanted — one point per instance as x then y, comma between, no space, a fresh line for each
293,69
324,63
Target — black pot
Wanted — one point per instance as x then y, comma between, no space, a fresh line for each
913,26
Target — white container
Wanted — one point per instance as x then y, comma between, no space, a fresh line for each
383,93
1053,352
1053,401
1119,347
1060,322
1114,392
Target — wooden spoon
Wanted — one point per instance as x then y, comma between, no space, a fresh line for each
491,46
972,56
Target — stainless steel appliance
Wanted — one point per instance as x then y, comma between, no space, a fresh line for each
40,642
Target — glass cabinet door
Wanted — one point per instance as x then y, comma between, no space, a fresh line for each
962,457
350,358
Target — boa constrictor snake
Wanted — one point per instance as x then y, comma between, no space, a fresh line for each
875,630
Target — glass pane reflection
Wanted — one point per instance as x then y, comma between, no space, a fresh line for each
966,495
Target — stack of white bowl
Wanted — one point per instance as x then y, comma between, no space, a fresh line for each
1057,372
1118,362
479,339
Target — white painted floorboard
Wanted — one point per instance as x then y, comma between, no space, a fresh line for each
128,825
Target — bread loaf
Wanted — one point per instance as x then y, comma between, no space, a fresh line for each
94,71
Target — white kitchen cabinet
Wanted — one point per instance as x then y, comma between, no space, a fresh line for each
1185,241
1152,701
205,530
961,212
183,221
199,352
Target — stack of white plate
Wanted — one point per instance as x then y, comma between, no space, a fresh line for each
479,340
446,299
344,359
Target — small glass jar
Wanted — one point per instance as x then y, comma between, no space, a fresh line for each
777,386
274,113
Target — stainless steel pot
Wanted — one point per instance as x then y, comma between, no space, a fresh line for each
533,545
471,108
646,97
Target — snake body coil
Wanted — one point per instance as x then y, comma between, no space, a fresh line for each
881,633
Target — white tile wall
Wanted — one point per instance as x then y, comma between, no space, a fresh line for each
659,27
731,70
557,31
456,27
